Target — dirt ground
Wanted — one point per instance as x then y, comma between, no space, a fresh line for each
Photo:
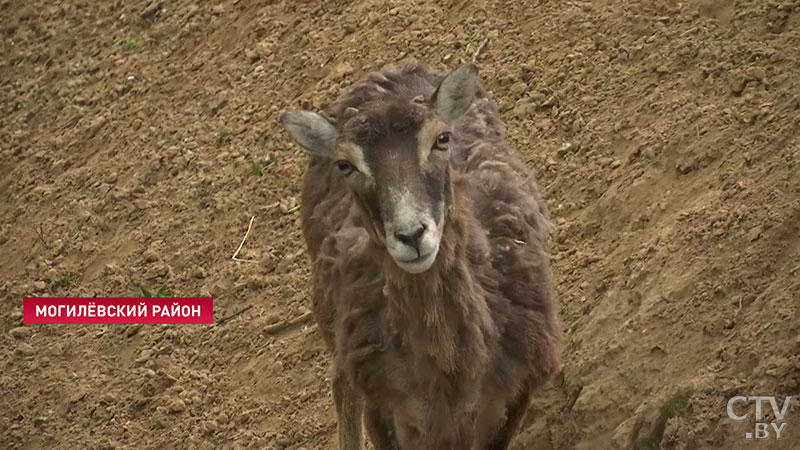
138,138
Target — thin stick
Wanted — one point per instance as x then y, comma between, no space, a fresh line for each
40,233
280,326
234,315
478,52
242,244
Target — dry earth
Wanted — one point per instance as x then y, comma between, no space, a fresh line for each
138,138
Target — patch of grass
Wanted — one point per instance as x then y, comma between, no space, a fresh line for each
134,43
162,292
255,169
63,282
674,406
38,420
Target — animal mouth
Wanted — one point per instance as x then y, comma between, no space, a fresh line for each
417,265
419,258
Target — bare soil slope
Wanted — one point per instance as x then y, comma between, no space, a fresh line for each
138,138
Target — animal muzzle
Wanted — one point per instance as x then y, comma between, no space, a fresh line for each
413,244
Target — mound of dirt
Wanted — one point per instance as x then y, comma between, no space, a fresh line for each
137,139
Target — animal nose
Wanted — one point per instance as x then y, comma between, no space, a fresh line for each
411,238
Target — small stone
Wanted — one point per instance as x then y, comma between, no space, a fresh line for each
569,147
518,89
25,349
757,74
80,395
342,70
662,70
615,164
199,273
39,286
737,83
255,283
210,426
219,104
524,109
150,256
20,332
755,233
252,55
144,357
177,406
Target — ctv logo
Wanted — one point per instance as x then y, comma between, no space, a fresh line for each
763,429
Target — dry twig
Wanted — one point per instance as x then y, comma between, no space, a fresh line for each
479,50
242,244
234,315
280,326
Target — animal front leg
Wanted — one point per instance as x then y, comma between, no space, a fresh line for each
380,429
515,412
349,407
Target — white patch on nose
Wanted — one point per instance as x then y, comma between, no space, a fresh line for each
406,212
406,220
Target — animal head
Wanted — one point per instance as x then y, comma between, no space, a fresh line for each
395,156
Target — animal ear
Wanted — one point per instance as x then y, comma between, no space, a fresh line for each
312,131
456,92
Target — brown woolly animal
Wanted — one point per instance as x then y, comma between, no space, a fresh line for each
430,278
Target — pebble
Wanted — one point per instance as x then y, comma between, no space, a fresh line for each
39,286
150,256
755,233
20,332
569,147
524,109
252,55
210,426
255,283
177,406
518,89
25,349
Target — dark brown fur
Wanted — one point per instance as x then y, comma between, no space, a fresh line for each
446,359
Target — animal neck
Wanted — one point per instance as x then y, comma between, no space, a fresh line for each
442,314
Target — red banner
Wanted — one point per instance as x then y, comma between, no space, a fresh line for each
165,310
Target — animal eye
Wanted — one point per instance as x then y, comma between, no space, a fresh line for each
442,141
345,166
